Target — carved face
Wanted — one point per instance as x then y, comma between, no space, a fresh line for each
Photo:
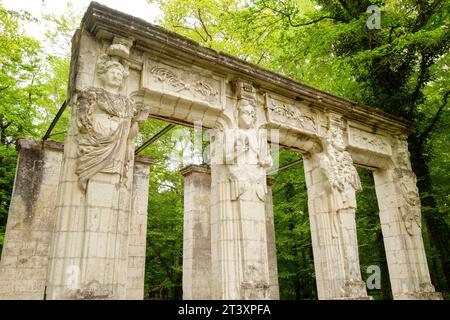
337,138
247,115
113,77
402,156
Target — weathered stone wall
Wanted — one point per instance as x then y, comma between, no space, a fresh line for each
23,267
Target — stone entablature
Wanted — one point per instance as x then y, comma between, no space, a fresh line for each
182,81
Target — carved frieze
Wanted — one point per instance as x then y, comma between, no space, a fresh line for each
369,141
290,115
182,83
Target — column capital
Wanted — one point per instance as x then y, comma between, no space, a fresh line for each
39,145
199,168
144,160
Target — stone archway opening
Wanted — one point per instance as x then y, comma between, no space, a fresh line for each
173,147
293,236
374,268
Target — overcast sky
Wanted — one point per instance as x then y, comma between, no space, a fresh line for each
138,8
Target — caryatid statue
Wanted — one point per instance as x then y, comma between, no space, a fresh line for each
92,256
343,180
409,209
108,124
248,156
240,159
410,200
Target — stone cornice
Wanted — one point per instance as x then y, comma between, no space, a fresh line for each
144,160
39,145
199,168
156,39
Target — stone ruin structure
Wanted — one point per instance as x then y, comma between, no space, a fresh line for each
78,216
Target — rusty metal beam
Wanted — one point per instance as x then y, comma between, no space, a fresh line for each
55,121
154,138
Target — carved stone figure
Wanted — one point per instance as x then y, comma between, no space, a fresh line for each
408,202
337,165
406,183
247,155
107,123
248,161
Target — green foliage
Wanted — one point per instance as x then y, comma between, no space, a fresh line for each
293,238
165,219
19,65
8,159
33,86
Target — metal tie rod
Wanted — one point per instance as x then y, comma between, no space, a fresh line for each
55,121
286,166
154,138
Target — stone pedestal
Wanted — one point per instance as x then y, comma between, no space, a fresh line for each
197,233
100,253
23,267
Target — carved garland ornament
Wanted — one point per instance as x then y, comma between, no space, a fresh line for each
293,115
201,87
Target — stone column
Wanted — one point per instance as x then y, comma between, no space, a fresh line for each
399,205
137,237
23,267
271,244
239,160
197,233
89,255
332,181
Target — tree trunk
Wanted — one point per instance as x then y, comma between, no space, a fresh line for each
439,232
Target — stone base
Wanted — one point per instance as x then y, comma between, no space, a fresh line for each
354,298
418,296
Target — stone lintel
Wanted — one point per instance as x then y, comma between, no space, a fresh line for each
199,168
